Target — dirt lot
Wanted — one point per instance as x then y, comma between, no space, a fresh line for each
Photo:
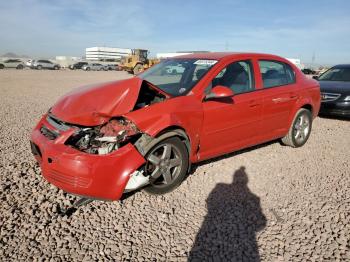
272,202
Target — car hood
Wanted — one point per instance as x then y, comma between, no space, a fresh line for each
340,87
95,105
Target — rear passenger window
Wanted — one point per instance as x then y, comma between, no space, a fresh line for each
276,73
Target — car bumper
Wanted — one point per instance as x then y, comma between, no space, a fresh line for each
94,176
337,109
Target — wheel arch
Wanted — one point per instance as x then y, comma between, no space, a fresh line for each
146,142
306,104
178,131
309,107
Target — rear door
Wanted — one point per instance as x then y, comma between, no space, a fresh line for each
232,123
280,95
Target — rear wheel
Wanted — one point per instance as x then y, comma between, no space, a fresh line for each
2,66
300,129
138,69
166,164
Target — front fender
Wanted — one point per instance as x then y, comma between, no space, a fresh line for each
180,112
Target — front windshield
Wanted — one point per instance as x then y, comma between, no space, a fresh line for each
177,76
336,74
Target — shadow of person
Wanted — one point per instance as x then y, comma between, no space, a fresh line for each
228,232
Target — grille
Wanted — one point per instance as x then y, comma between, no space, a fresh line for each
326,97
75,181
50,134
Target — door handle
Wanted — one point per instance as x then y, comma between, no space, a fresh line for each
278,100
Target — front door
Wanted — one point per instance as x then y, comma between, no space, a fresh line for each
231,123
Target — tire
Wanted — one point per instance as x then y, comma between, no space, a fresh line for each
300,130
39,67
88,69
55,68
2,66
166,164
138,69
20,66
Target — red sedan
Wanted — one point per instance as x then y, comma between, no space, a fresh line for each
145,132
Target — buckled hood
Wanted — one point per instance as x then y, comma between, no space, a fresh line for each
95,105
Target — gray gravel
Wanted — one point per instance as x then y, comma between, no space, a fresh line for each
271,203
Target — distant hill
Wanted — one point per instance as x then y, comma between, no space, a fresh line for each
13,55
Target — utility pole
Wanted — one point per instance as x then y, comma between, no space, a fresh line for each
313,59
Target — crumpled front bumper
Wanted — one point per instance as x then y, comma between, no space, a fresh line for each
95,176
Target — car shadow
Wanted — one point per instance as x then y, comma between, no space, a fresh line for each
228,232
194,166
228,155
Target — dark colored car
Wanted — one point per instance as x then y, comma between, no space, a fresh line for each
145,132
335,91
308,71
77,65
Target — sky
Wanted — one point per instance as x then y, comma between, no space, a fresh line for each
316,31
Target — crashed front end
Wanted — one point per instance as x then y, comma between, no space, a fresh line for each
94,162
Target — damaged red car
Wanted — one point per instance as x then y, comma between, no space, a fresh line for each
103,141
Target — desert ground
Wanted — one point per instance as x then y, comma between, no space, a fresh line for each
268,203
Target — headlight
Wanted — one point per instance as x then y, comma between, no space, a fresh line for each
347,98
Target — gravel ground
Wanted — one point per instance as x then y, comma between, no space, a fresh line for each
270,203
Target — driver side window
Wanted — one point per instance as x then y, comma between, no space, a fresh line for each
237,76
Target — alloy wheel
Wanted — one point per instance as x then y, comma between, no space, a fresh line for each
301,128
164,165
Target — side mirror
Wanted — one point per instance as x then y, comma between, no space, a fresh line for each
315,77
220,92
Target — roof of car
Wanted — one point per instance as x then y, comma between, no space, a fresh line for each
220,55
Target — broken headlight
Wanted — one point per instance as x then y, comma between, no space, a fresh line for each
104,139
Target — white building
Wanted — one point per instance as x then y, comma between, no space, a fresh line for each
297,62
106,53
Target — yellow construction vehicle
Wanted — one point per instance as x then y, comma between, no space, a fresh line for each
137,62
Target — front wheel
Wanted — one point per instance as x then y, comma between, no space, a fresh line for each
300,129
167,165
138,69
19,66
